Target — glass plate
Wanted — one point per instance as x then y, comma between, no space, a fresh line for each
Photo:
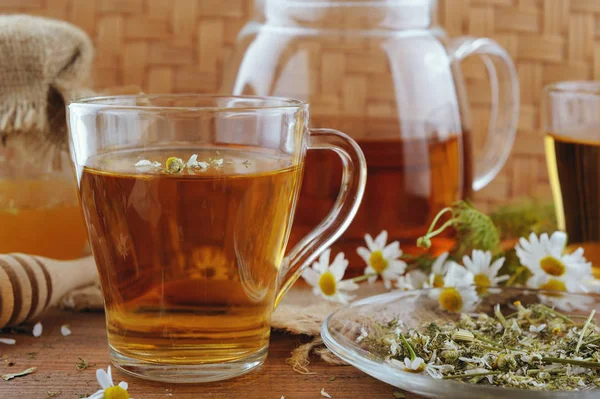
413,308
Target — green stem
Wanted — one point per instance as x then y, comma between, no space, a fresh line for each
583,330
557,314
413,355
514,277
510,316
584,363
537,371
457,376
500,317
363,277
482,339
498,346
593,340
424,241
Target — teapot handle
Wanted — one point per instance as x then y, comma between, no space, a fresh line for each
505,103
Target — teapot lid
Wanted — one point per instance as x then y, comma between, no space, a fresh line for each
348,14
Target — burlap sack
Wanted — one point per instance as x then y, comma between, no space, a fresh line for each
44,63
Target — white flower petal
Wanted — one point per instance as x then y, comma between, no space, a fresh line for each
392,251
496,266
418,278
372,279
558,240
193,161
438,265
65,330
370,243
311,276
347,285
381,239
364,253
343,298
325,394
323,263
104,378
38,329
123,385
417,363
8,341
396,266
338,267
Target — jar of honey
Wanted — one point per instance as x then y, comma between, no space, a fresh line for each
39,209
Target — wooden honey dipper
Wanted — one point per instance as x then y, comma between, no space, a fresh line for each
30,284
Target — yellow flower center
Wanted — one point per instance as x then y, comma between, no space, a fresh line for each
115,393
327,284
482,283
438,281
451,300
552,266
378,262
555,285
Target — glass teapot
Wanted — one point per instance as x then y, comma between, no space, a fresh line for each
384,73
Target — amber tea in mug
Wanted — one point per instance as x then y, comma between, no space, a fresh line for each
173,284
192,257
572,122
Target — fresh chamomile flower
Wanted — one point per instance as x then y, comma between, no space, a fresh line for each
412,280
551,269
326,279
109,389
382,259
485,273
438,271
458,293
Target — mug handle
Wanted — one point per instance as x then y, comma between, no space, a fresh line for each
505,103
354,178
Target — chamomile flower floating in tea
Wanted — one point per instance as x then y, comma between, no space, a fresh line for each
485,273
144,163
109,389
381,259
438,271
326,279
175,165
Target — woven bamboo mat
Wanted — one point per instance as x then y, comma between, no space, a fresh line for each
181,45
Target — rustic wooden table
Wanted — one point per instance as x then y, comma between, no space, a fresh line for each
55,357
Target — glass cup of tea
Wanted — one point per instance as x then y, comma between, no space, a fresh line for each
571,118
189,202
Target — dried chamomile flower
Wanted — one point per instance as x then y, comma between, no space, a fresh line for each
174,165
516,350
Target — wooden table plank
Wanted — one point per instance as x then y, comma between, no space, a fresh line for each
56,357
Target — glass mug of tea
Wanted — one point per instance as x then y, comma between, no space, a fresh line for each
571,117
189,202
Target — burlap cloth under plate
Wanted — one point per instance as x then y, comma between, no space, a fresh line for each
44,64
